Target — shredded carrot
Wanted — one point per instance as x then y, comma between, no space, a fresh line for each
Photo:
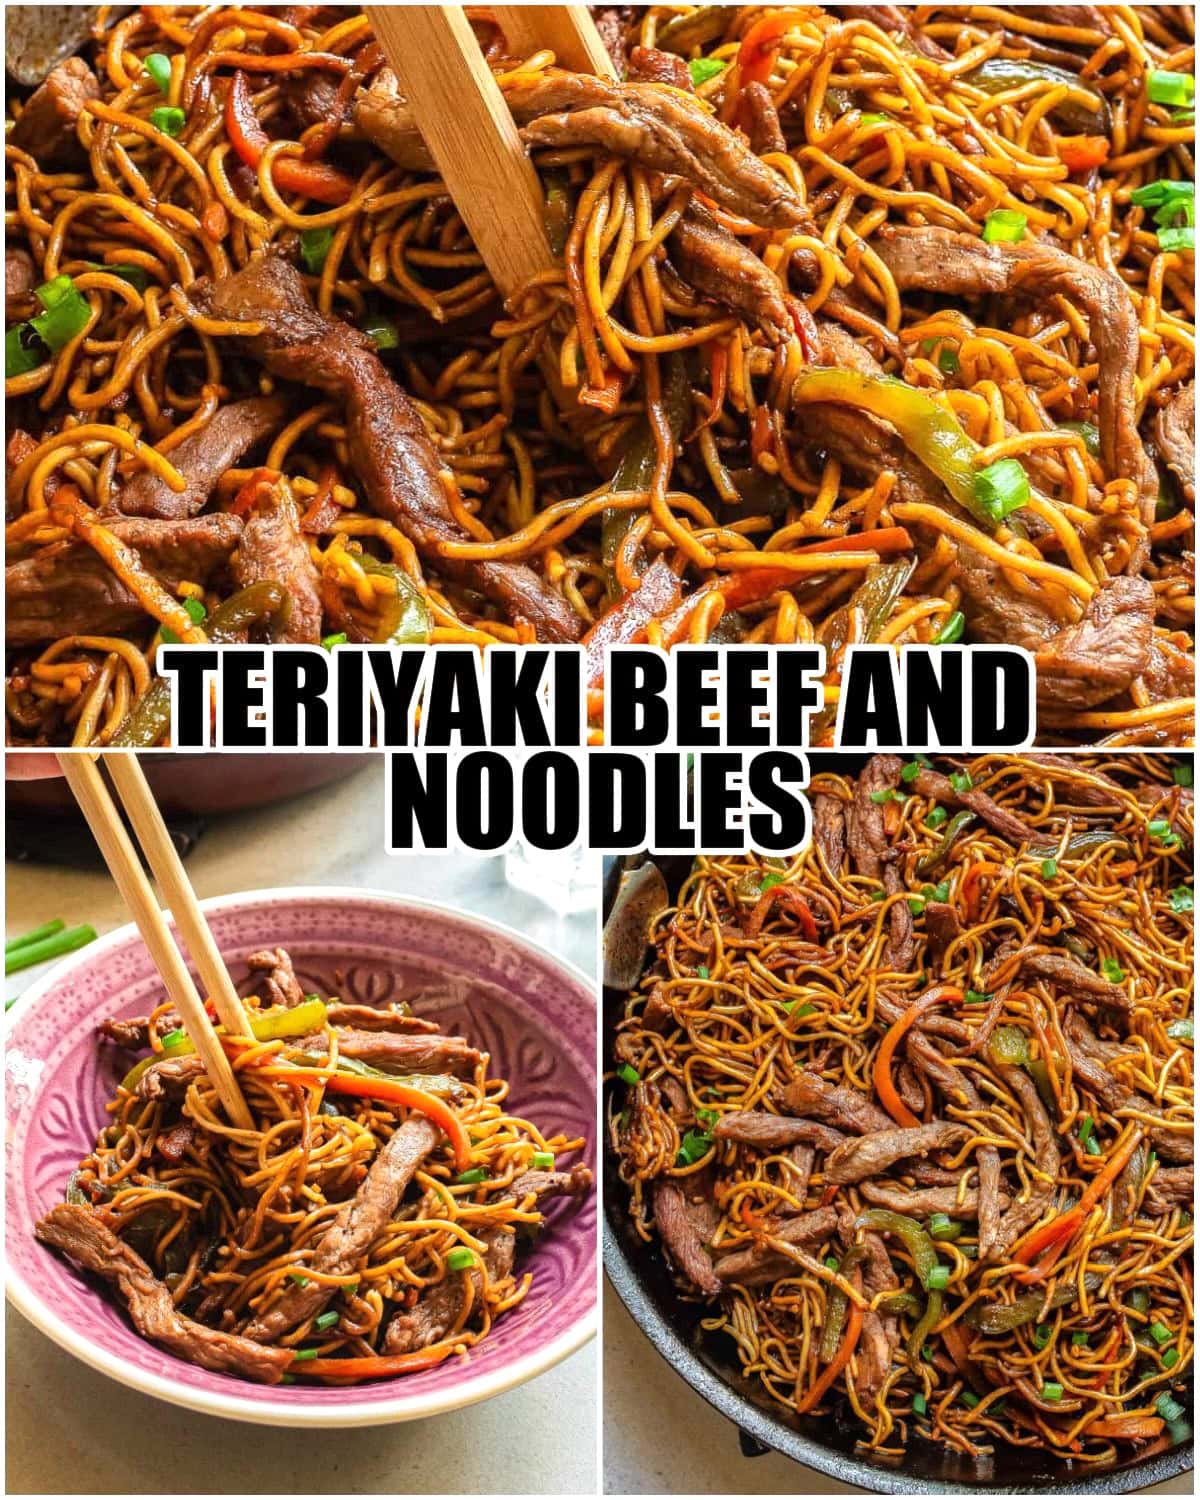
1051,1239
882,1074
374,1366
837,1364
792,899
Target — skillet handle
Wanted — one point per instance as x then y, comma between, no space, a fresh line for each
750,1446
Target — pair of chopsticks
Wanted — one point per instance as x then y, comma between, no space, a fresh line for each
458,108
96,803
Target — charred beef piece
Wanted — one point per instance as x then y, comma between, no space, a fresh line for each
357,1223
880,1331
382,115
313,97
683,1224
279,985
942,928
941,789
869,1155
721,267
961,265
417,1053
169,1079
81,1235
649,65
68,589
203,459
761,1265
1169,1187
1175,434
569,1184
392,453
766,133
829,831
1100,655
661,129
46,126
767,1132
20,278
834,1104
272,549
1092,1059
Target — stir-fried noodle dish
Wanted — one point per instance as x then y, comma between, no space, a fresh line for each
911,1114
370,1224
864,324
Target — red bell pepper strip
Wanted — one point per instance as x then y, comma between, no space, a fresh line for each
626,621
290,174
1080,153
792,899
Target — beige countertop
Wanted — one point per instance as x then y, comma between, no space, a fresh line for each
661,1437
71,1430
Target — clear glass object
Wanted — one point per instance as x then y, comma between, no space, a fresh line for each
567,879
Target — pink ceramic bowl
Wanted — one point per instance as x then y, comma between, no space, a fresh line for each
536,1016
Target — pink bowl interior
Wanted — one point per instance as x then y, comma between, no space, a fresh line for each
536,1020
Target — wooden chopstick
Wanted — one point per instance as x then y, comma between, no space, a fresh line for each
566,30
461,113
163,858
83,777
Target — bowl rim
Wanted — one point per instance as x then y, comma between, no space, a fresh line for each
399,1408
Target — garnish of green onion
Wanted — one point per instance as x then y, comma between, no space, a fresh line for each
1049,868
1087,1139
168,118
937,1279
976,997
1170,1358
628,1074
158,65
338,638
303,1354
916,905
1175,89
1079,1339
918,1405
54,946
703,69
952,630
46,930
1158,828
314,247
961,781
1177,237
969,1398
1041,1336
701,971
1168,1408
694,1146
878,895
1004,226
939,892
875,117
298,1277
1160,1333
328,1320
888,794
1088,431
1183,776
543,1160
790,1007
1182,1031
1112,970
943,1227
1002,488
936,818
769,882
382,332
460,1258
1052,1391
832,1263
476,1174
911,771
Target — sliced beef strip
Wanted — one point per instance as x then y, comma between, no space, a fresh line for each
1175,434
866,831
954,264
203,459
681,1235
767,1132
942,928
940,788
572,1183
880,1331
279,984
829,831
20,278
661,129
439,1307
766,133
802,1160
274,550
313,97
382,114
169,1079
908,1086
1103,652
420,1052
390,448
87,1240
1169,1187
869,1155
68,589
1022,1215
760,1265
889,1009
834,1104
723,268
1067,973
649,65
351,1232
133,1032
46,127
919,1203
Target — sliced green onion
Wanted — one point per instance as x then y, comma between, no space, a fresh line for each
707,1118
916,905
911,771
887,795
1177,237
704,68
1052,1391
1168,1408
969,1398
961,781
168,118
1049,868
875,117
770,881
339,638
1160,1333
23,351
936,818
1175,89
790,1007
303,1354
918,1405
1183,776
460,1258
1088,431
693,1148
937,1278
476,1174
1170,1358
1087,1139
943,1227
1041,1335
701,971
939,892
543,1160
158,65
1112,970
1182,1031
952,630
1158,828
1002,488
1079,1339
832,1263
878,895
328,1320
976,997
66,315
1004,226
298,1277
628,1074
383,332
314,247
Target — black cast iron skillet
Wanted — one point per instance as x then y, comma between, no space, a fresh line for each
707,1362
